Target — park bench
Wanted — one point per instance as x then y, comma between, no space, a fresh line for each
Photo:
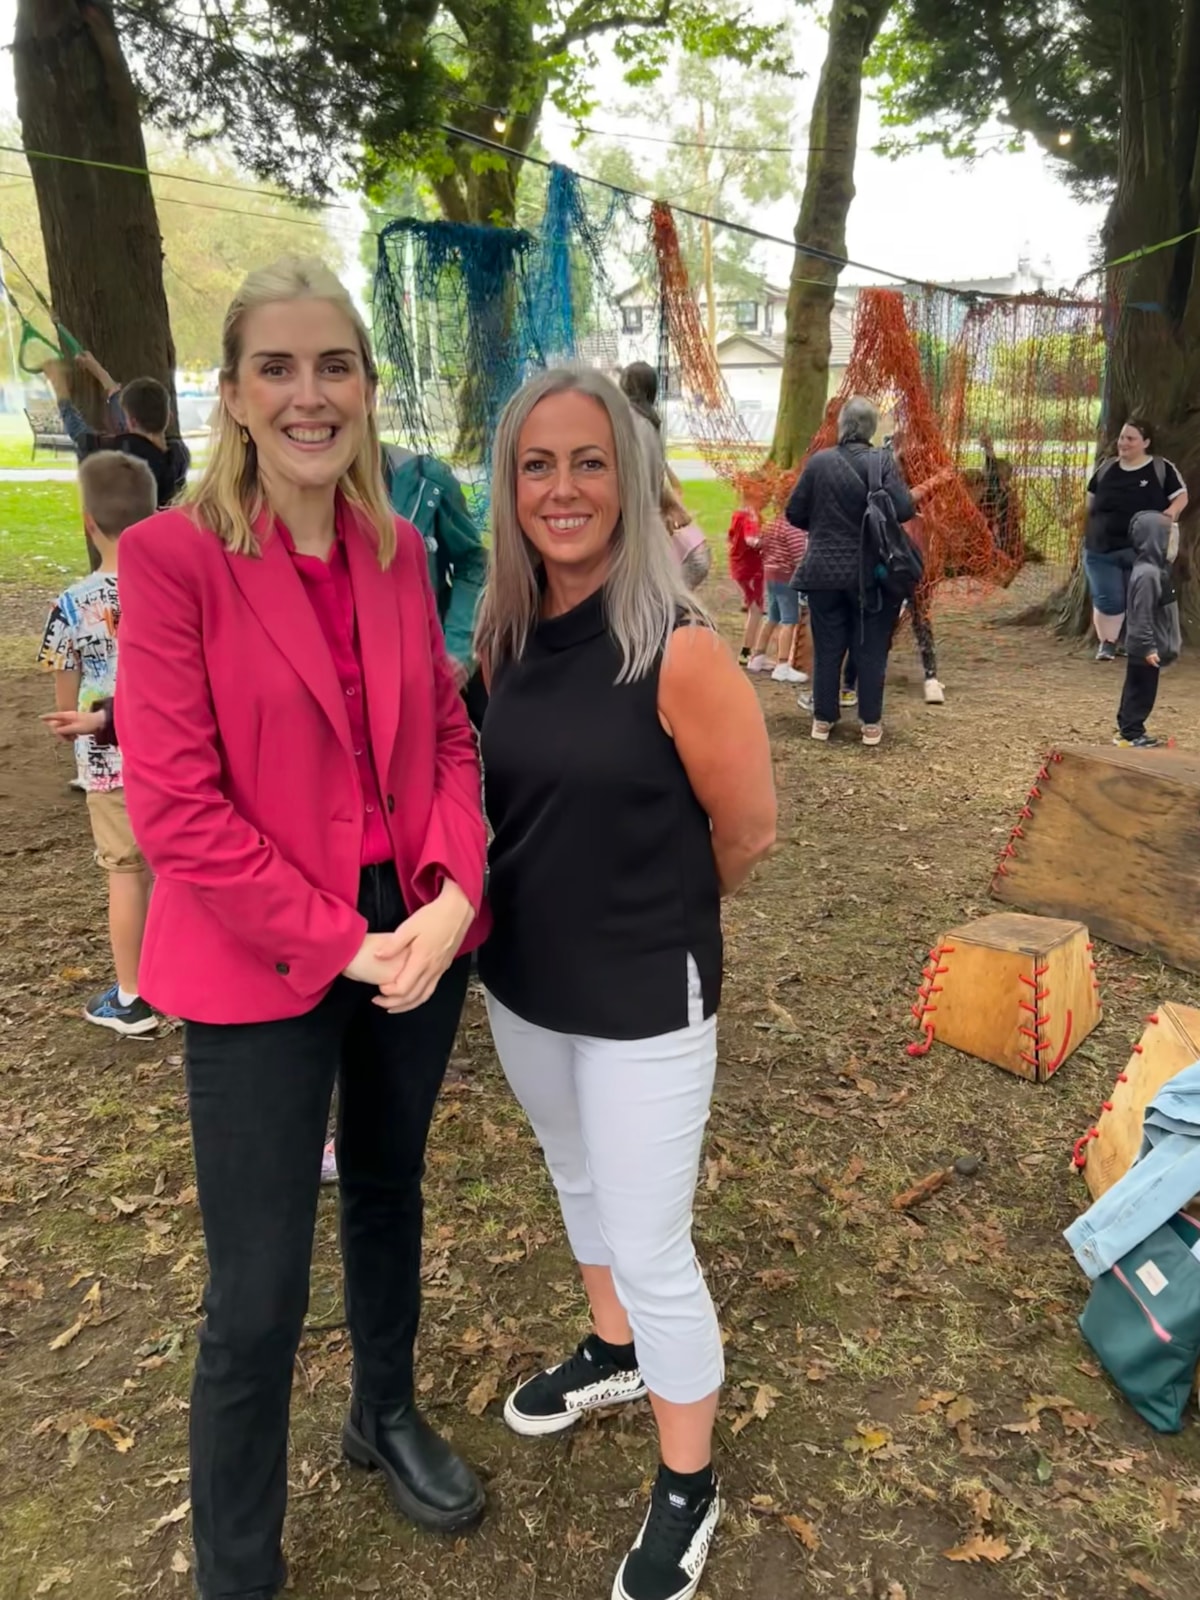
47,427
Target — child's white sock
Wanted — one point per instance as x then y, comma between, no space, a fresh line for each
124,998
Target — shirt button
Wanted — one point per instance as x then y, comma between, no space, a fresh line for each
282,968
370,810
350,690
358,752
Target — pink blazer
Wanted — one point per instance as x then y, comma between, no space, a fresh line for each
240,774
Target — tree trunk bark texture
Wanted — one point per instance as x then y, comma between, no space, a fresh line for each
1153,302
104,254
828,193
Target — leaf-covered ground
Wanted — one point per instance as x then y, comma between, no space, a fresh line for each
910,1413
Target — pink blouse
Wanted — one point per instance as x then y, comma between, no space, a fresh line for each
328,587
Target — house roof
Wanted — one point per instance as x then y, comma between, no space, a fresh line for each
771,345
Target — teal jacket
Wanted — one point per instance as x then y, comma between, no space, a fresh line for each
425,491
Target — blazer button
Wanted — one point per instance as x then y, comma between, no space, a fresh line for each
282,968
391,802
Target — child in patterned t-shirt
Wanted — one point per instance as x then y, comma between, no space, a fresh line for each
80,647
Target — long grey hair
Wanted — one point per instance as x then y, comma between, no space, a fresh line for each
644,591
857,420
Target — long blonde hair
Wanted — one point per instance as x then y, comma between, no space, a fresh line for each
644,591
229,497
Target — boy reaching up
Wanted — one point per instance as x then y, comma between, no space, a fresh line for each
80,647
139,414
1152,632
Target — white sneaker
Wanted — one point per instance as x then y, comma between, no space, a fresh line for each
784,673
935,695
872,733
822,730
758,664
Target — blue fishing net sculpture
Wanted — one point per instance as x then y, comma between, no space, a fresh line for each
464,313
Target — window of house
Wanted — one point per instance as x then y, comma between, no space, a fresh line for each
631,319
745,314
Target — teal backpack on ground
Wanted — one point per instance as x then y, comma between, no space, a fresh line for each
1143,1320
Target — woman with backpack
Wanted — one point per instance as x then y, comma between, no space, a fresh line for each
1133,480
845,609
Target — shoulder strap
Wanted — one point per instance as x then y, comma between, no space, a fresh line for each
874,470
1160,470
1105,467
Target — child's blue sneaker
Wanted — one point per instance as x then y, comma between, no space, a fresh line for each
106,1011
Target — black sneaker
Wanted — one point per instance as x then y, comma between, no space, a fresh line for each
668,1556
106,1011
1106,652
558,1397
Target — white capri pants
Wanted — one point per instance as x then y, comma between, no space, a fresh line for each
621,1122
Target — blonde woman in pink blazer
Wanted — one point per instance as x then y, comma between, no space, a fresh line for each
303,782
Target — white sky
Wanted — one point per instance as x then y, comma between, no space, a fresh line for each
922,216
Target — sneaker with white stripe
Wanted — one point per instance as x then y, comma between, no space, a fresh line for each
557,1398
668,1556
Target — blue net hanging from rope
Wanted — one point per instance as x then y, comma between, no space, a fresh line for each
464,313
454,329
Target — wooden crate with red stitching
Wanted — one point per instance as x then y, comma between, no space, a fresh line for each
1015,990
1112,836
1170,1042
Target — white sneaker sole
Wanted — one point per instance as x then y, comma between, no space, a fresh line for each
541,1427
130,1030
620,1592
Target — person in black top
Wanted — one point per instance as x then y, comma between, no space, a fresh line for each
628,784
1130,481
830,501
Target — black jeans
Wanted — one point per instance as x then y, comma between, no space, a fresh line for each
1137,699
922,627
841,626
259,1096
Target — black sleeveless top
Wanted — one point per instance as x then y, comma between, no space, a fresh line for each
602,880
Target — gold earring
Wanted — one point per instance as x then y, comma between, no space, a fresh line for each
245,436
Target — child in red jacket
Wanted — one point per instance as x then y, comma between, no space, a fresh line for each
745,561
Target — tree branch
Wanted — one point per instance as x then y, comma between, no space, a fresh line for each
580,26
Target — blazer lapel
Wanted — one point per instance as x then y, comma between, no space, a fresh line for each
377,615
272,588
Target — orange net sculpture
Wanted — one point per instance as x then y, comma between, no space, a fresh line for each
957,536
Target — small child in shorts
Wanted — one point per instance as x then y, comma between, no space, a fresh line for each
783,547
746,564
80,647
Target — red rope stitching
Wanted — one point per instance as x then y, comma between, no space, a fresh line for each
921,1047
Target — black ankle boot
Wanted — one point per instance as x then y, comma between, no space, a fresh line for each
428,1482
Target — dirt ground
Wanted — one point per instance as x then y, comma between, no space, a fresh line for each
911,1413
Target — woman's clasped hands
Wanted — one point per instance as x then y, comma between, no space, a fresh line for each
406,966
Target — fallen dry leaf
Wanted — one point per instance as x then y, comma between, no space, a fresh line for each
484,1392
92,1299
168,1519
921,1191
935,1401
54,1578
784,1015
1029,1425
69,1335
959,1410
1118,1464
871,1437
179,1562
804,1531
760,1408
117,1435
1145,1583
980,1547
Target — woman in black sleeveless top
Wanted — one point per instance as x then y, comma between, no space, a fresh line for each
628,784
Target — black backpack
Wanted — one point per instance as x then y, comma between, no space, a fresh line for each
891,562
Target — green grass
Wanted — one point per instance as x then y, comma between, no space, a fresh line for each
16,445
41,538
712,504
41,533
